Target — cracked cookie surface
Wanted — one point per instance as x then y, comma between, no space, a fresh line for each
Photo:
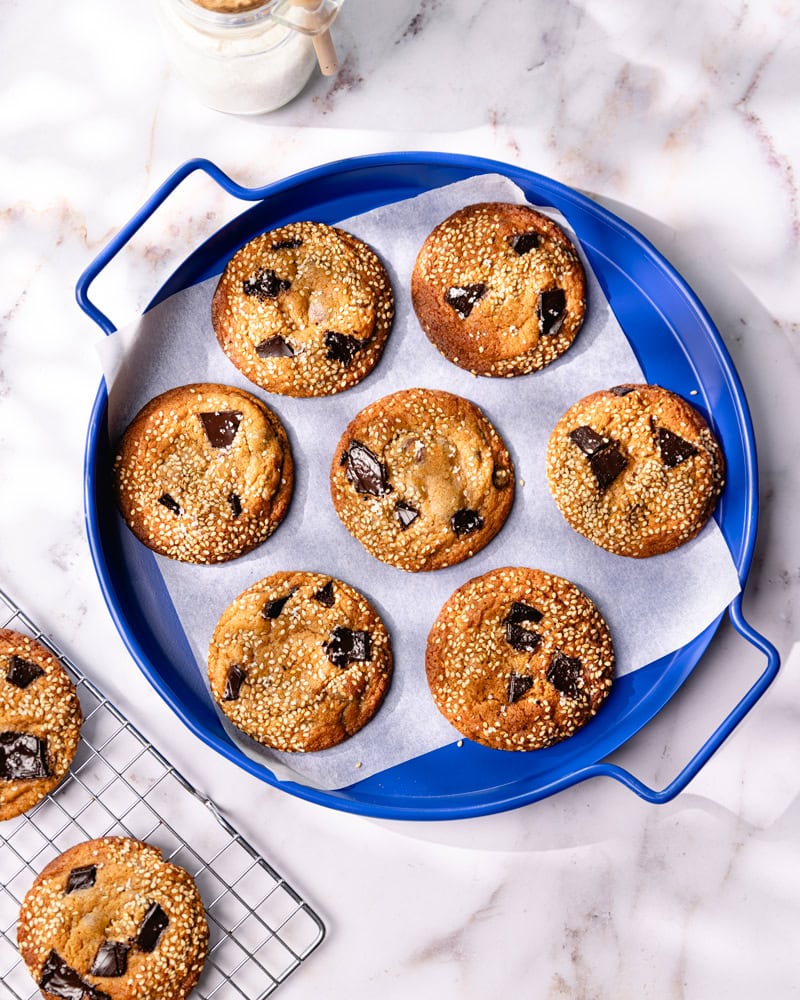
635,469
304,310
499,289
422,479
40,722
109,919
204,473
519,659
300,661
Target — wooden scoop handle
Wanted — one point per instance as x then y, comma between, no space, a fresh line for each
323,43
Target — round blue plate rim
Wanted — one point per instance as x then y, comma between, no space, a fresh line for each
369,797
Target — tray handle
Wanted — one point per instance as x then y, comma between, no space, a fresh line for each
135,223
720,734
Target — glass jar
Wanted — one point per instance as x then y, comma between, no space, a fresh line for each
245,57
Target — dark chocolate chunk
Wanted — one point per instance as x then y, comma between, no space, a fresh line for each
167,501
520,612
273,608
325,595
405,513
111,959
236,504
61,980
221,427
607,465
564,672
22,672
366,471
233,682
588,440
621,390
463,298
265,284
465,521
518,685
153,926
275,347
23,757
674,449
523,243
524,640
552,306
605,458
288,244
81,878
347,646
341,347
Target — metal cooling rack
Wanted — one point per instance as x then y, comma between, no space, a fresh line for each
261,930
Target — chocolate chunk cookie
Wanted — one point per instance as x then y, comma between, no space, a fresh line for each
109,919
40,722
304,310
636,469
300,661
499,289
519,659
204,473
422,479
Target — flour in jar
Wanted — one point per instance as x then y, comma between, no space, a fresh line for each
236,59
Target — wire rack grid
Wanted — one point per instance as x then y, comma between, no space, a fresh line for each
260,928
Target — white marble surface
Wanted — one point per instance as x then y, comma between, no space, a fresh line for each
681,118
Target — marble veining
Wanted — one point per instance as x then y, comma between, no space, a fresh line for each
680,118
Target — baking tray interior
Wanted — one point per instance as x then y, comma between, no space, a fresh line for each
677,346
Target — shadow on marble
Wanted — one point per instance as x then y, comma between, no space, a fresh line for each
750,785
430,66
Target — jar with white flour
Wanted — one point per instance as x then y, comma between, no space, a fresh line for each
248,57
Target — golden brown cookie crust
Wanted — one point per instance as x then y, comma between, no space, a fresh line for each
278,664
46,707
129,877
304,310
493,309
204,473
519,659
649,480
443,484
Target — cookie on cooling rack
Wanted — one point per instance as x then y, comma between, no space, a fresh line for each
636,469
204,473
499,289
40,722
304,310
422,479
300,661
109,919
519,659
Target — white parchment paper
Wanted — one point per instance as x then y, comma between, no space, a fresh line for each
652,606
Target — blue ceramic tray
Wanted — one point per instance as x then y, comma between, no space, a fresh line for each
676,345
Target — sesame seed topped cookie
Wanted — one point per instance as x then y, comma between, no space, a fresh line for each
204,473
300,661
40,722
519,659
422,479
499,289
636,469
109,919
304,310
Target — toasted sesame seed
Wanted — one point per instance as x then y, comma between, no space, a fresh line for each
471,660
